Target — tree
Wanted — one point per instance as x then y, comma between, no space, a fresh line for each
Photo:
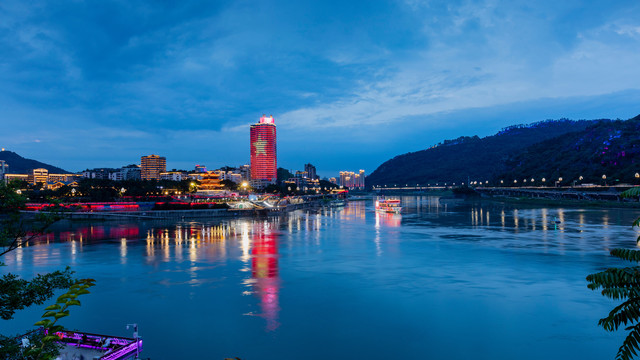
229,185
17,294
622,284
283,175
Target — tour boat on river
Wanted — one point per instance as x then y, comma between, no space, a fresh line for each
388,206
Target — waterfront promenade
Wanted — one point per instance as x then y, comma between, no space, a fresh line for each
236,209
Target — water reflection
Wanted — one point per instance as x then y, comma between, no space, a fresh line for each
264,270
388,219
347,264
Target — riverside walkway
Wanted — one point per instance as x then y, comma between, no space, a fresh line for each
608,194
257,209
587,193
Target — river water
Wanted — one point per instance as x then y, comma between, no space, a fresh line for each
444,280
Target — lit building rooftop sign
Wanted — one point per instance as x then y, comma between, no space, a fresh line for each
266,119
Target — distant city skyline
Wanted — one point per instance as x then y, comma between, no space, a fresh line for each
102,84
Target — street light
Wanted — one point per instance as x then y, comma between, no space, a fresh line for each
604,178
136,337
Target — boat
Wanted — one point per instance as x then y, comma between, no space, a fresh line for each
82,345
388,206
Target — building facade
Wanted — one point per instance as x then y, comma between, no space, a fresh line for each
3,167
350,179
174,175
151,166
39,176
311,171
264,163
131,172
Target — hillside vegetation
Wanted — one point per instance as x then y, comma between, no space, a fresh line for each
472,158
19,165
610,148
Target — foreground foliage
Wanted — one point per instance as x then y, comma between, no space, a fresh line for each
17,293
622,284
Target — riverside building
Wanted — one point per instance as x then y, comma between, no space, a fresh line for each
264,163
350,179
151,166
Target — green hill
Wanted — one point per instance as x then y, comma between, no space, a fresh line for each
610,148
19,165
473,158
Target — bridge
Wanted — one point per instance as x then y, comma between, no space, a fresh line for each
588,193
605,194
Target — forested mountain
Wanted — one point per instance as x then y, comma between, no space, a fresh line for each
473,158
19,165
610,148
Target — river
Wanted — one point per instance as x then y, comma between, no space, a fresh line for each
444,280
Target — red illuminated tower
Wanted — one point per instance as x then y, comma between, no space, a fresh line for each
264,162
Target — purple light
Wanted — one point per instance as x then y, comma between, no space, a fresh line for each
118,347
123,351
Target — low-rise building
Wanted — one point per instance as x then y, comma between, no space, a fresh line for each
39,175
174,176
131,172
98,173
16,177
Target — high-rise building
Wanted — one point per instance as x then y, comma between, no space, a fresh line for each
264,162
311,171
3,166
151,166
350,179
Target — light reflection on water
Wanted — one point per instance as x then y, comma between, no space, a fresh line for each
334,279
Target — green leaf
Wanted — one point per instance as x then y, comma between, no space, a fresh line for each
61,299
49,314
633,192
53,307
61,315
44,323
73,302
50,338
56,328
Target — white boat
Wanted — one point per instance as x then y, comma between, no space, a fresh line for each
388,206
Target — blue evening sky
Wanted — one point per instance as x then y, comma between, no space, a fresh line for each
350,83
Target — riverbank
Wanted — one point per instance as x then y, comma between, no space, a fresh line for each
180,214
596,204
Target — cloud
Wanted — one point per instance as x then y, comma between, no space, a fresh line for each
130,76
445,77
